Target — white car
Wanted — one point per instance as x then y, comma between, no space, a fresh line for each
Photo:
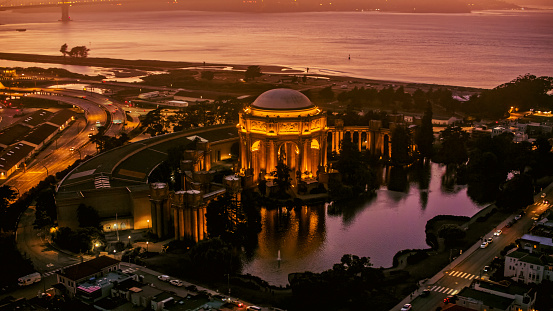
543,195
498,233
407,307
163,277
484,244
178,283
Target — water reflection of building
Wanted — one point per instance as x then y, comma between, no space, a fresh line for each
295,232
279,124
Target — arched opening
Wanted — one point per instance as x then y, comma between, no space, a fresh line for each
355,139
256,158
363,141
386,147
315,144
289,153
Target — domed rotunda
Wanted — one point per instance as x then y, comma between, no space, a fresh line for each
282,125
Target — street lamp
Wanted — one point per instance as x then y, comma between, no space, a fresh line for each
47,174
129,240
116,231
147,247
148,221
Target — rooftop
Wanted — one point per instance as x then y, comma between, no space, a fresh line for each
14,154
511,288
539,239
12,134
130,165
282,99
87,268
490,300
60,117
526,257
37,117
39,134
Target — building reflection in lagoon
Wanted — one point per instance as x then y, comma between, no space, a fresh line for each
313,239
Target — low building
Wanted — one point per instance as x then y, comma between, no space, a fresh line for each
163,300
36,118
62,119
524,297
40,135
87,278
535,243
485,295
526,267
142,296
12,134
13,158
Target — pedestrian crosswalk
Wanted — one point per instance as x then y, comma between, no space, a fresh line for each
444,290
462,275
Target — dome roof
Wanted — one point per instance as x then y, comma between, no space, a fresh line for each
282,99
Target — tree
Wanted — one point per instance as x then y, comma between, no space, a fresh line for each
63,50
153,123
425,136
225,219
453,148
400,146
79,52
212,259
419,99
45,209
79,241
252,72
516,193
451,234
88,216
7,195
282,177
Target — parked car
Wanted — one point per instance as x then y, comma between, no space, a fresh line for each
489,240
178,283
484,244
517,217
407,307
192,288
164,278
543,195
498,233
487,269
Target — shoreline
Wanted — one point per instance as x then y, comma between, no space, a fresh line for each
135,66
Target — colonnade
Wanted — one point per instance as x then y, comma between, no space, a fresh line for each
189,215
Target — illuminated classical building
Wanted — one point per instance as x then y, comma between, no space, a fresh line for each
282,124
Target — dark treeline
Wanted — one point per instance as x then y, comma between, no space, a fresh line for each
525,93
